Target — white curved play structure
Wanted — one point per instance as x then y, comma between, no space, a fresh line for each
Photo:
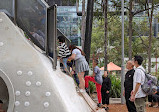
32,84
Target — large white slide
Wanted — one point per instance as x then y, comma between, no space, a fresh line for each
28,82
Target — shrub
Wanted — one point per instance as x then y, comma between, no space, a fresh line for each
115,91
92,87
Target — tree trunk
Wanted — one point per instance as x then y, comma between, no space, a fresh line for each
149,48
105,34
150,38
83,24
156,65
88,33
130,28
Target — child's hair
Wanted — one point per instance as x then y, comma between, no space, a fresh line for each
96,61
72,47
61,39
1,102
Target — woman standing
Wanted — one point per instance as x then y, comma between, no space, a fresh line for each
106,86
81,65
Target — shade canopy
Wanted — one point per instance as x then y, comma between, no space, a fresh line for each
111,67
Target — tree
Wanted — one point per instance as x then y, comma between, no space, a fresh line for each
83,24
151,7
114,39
132,10
88,33
105,34
150,17
130,27
140,31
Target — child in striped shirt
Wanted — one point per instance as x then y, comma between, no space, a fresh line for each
64,52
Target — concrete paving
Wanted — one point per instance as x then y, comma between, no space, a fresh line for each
115,100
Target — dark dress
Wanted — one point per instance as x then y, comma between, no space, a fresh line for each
128,84
106,86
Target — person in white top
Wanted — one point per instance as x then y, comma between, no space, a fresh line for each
81,65
137,95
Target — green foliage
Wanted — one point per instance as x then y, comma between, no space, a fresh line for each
92,87
26,36
97,37
114,39
115,91
140,27
139,42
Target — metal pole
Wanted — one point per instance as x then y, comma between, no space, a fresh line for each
122,71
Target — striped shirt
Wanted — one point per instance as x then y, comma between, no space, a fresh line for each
63,51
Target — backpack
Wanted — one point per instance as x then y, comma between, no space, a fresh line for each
150,84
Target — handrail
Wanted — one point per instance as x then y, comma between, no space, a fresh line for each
55,35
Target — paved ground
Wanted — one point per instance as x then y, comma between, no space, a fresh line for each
122,108
116,106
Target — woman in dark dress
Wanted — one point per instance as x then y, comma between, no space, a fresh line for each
106,86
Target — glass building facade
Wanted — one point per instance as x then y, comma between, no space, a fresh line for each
68,22
69,18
